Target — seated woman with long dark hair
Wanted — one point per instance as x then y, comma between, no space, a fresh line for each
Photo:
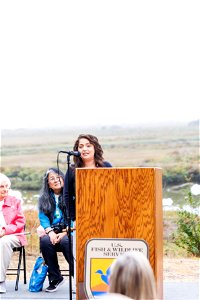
52,216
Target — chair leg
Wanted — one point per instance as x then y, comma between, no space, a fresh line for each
24,265
18,269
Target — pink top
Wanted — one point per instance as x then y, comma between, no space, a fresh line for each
14,217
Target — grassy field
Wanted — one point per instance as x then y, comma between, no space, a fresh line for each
168,147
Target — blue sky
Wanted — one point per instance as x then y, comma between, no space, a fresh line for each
98,62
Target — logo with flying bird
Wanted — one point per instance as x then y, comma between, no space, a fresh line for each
104,277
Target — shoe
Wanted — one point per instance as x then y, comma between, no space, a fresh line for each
2,287
54,285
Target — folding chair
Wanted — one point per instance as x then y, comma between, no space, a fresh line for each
16,271
64,272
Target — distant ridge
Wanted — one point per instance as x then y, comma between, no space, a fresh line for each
194,123
78,128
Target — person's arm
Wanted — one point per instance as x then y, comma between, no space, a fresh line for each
45,223
15,219
44,220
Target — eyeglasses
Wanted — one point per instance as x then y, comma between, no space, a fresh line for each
52,179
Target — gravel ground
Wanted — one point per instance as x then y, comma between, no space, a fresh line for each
181,269
174,269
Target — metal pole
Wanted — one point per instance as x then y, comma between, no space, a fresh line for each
69,230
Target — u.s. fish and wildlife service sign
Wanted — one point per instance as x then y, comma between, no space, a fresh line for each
99,255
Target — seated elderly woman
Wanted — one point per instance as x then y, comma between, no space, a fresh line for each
12,222
132,276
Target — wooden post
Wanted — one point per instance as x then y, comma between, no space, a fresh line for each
119,203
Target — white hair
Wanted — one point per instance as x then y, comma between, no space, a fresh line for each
4,178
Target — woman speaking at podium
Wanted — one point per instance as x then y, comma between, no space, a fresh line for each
90,156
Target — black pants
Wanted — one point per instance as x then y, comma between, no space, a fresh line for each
49,253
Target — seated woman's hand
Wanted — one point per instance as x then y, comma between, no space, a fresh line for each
2,232
59,236
53,237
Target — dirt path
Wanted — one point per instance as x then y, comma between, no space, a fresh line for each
174,269
181,269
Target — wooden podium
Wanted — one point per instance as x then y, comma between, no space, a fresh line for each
119,203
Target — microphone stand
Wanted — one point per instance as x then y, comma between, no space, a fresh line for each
69,153
69,230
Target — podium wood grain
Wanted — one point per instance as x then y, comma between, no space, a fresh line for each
120,203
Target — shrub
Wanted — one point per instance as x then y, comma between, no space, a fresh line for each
25,179
187,234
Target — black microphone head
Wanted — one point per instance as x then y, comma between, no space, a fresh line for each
76,153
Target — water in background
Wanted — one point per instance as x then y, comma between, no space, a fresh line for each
173,197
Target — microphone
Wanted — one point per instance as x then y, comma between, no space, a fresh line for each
74,153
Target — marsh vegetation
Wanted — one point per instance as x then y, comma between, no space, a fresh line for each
26,154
